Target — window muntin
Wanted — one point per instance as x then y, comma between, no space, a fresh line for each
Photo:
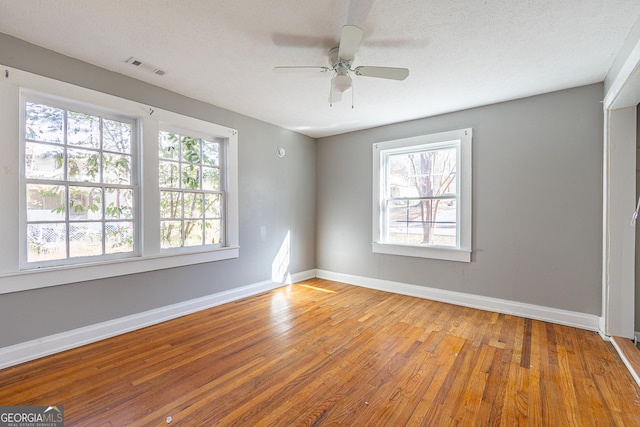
190,174
422,196
79,183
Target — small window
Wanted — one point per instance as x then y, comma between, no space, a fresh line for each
80,189
422,196
192,193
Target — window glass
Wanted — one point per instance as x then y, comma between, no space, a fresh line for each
420,197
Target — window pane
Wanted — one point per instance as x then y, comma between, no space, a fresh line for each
85,203
169,176
45,202
193,233
117,169
83,130
444,227
118,203
85,239
210,179
83,165
191,177
422,222
403,223
170,204
191,149
422,174
116,136
212,208
212,232
192,205
399,176
168,146
171,234
118,237
44,123
443,171
43,161
46,242
210,153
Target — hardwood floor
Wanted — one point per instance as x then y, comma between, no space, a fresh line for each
628,350
325,353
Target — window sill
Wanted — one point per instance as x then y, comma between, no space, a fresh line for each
447,254
53,276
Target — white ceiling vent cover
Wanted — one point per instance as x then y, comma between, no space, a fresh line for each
146,66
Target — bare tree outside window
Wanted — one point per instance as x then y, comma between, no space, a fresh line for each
421,201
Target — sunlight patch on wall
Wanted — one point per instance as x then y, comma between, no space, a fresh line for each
280,266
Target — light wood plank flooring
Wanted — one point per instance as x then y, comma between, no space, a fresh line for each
628,349
325,353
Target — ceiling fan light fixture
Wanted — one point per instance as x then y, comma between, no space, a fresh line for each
341,83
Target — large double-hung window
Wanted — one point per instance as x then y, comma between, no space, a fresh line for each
422,196
191,189
80,185
98,186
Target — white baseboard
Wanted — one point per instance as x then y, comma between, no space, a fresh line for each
548,314
604,336
602,327
34,349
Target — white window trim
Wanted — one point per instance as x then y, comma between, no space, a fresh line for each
461,253
149,258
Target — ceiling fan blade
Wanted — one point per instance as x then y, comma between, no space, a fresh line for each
349,42
382,72
300,69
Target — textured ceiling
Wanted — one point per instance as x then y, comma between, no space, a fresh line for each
461,53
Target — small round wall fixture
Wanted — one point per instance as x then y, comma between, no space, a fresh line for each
280,151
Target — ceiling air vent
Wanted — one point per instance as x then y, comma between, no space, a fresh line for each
146,66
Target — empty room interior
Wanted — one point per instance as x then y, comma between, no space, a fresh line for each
295,212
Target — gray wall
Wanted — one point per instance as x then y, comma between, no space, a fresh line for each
537,203
276,196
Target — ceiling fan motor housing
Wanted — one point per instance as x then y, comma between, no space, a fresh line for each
335,61
341,82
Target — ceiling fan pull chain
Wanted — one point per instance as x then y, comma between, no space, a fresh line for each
352,90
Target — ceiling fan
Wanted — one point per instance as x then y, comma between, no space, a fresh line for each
341,58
